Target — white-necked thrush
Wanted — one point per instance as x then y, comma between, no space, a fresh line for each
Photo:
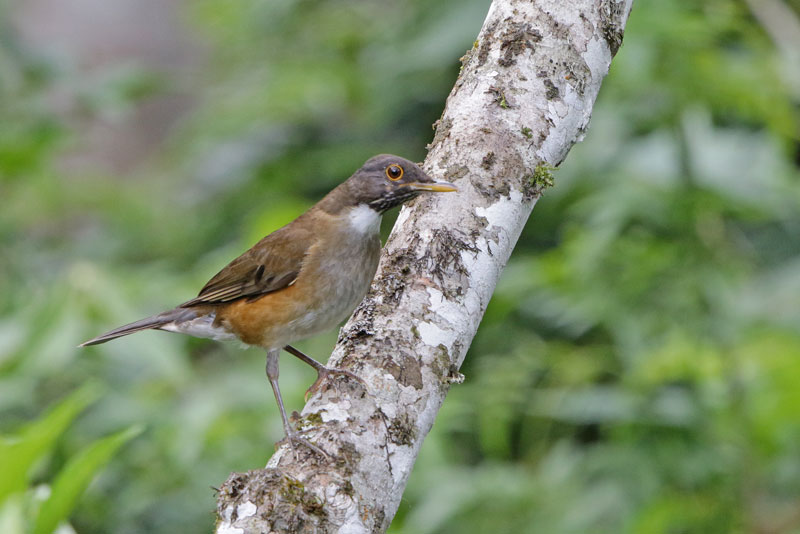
301,279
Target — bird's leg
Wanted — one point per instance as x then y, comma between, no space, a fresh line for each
322,371
291,435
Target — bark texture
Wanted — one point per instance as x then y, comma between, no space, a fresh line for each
523,98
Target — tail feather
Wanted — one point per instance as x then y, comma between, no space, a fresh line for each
153,322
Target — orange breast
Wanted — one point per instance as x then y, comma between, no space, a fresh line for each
336,273
260,321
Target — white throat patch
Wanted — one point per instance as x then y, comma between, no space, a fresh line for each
364,219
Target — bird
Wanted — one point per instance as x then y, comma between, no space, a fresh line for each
302,279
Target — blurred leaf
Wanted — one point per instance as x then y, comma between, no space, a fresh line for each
75,476
12,515
19,453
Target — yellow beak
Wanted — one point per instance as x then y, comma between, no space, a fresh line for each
434,187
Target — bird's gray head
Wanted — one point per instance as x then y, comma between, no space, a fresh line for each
386,181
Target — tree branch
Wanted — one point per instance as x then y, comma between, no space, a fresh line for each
523,98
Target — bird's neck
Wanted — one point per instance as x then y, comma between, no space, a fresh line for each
343,203
363,220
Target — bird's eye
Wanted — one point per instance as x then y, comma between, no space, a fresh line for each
394,172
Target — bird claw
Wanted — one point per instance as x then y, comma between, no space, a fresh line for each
324,373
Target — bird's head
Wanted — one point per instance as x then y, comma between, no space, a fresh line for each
386,181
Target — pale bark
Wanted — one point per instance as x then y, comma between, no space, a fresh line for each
523,98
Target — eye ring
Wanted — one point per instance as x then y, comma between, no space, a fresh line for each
394,172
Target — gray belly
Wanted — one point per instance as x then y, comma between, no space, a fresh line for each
342,280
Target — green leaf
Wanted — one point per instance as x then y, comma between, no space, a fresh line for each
76,475
19,453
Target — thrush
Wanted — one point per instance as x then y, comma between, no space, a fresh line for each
301,279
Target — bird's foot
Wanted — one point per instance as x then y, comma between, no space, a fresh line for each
293,438
324,372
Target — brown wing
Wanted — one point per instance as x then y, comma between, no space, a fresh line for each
271,265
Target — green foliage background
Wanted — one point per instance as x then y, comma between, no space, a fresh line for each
638,369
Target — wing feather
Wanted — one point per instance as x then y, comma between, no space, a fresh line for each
272,264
